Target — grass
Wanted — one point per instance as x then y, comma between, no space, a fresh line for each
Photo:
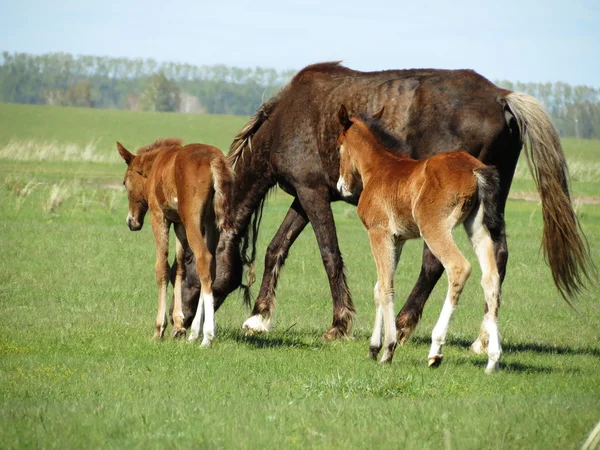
78,299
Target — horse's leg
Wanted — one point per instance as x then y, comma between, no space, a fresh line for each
318,210
386,254
490,282
160,229
458,269
180,244
410,314
229,267
291,227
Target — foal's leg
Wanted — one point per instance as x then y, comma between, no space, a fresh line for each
160,229
277,252
318,210
180,245
205,314
489,336
458,269
386,252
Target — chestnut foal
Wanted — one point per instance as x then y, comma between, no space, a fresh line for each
403,199
189,187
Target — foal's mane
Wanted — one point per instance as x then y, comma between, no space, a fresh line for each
383,135
168,142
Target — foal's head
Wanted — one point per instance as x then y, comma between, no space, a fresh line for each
134,181
349,143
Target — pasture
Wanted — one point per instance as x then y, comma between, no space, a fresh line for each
78,367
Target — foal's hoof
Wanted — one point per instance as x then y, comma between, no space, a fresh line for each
492,367
178,333
435,361
157,336
478,348
373,352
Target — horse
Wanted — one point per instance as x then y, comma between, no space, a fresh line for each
402,198
291,141
188,187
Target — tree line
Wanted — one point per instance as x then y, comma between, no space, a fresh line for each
145,84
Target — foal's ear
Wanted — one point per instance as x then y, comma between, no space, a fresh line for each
378,115
125,154
343,117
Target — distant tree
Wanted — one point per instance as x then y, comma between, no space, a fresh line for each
79,94
160,94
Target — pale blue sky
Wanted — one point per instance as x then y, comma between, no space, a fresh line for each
539,41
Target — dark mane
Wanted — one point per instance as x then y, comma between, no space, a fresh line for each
168,142
243,139
383,135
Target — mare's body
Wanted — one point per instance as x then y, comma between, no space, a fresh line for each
291,139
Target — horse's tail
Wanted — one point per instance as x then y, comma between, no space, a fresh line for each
222,177
565,247
488,192
239,157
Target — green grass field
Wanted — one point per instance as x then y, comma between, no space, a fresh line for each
78,367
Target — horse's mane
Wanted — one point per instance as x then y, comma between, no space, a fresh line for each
243,139
381,132
168,142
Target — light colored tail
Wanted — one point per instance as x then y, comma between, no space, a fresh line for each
565,248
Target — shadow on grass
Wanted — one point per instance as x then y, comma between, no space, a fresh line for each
288,338
517,346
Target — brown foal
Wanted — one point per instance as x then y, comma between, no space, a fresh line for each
189,187
403,199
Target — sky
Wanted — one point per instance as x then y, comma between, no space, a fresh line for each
527,41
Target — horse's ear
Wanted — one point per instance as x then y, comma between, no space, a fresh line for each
343,117
378,115
125,154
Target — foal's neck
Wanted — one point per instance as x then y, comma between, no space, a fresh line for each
370,157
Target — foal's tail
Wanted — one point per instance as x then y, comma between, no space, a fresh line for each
565,247
222,176
488,190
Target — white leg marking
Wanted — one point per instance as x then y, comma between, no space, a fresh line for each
257,324
494,348
208,330
376,335
198,320
438,336
389,328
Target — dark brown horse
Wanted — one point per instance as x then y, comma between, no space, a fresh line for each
405,198
291,141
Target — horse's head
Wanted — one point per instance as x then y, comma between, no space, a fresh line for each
349,144
134,181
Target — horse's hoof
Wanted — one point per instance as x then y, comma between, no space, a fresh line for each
334,333
178,333
254,325
403,334
206,343
435,361
193,337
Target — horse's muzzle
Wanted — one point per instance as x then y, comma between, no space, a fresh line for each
134,225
